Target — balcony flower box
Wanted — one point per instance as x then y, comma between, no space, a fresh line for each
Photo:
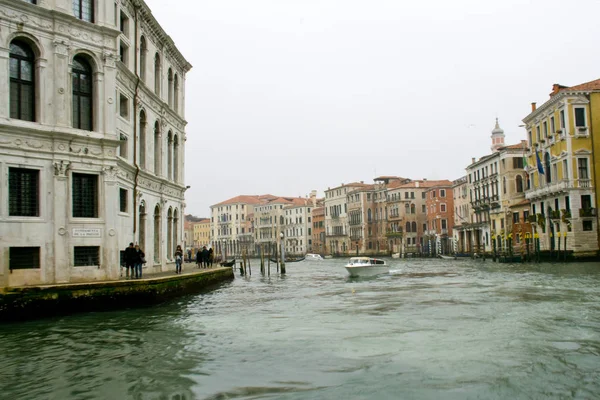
587,212
555,214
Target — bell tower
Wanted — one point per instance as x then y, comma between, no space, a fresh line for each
497,137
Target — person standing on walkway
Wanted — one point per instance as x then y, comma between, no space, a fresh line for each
130,257
178,259
199,258
210,257
205,256
140,259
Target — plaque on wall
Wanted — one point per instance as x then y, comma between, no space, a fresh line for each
87,232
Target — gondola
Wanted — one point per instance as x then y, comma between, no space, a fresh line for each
288,261
228,263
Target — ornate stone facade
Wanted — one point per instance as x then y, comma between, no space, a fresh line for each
75,196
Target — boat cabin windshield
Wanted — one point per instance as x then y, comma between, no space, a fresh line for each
365,261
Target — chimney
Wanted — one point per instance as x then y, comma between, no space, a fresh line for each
362,181
417,184
472,160
533,107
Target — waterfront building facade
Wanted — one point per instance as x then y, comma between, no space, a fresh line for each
337,239
92,135
561,167
318,229
202,229
463,216
440,218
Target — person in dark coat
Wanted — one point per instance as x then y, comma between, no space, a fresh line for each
210,256
199,258
130,258
205,256
140,259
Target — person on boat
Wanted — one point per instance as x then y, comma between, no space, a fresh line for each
205,256
178,259
210,257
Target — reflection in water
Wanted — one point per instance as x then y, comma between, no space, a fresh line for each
429,329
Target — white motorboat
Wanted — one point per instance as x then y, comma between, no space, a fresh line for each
396,255
311,256
366,266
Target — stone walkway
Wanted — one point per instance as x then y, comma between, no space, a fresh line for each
187,269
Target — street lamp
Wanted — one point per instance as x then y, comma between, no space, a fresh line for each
282,236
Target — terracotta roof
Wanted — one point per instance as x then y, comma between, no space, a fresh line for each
426,184
584,87
518,146
522,203
247,199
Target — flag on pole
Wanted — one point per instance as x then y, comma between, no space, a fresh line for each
540,168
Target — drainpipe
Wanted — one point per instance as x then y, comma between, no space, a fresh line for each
135,120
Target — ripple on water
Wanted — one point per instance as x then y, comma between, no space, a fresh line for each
431,329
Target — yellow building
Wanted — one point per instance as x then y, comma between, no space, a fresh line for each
202,233
561,168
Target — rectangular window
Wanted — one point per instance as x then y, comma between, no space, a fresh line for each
442,192
24,258
444,224
530,139
515,218
518,162
424,208
565,170
123,146
582,168
85,196
23,192
537,133
567,203
561,115
124,24
423,195
84,10
442,208
580,117
545,127
552,127
123,200
525,215
84,256
124,54
123,106
588,225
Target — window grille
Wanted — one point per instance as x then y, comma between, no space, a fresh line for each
85,196
23,189
86,256
24,258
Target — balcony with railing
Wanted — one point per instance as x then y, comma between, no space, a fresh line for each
587,212
548,189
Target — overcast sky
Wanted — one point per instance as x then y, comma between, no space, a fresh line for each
289,96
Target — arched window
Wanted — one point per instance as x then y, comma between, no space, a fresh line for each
170,88
170,234
413,209
157,233
175,229
176,159
22,81
519,182
143,51
413,227
142,228
82,94
547,167
157,74
143,125
407,227
157,148
84,10
176,94
170,155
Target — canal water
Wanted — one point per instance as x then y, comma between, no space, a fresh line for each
431,329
